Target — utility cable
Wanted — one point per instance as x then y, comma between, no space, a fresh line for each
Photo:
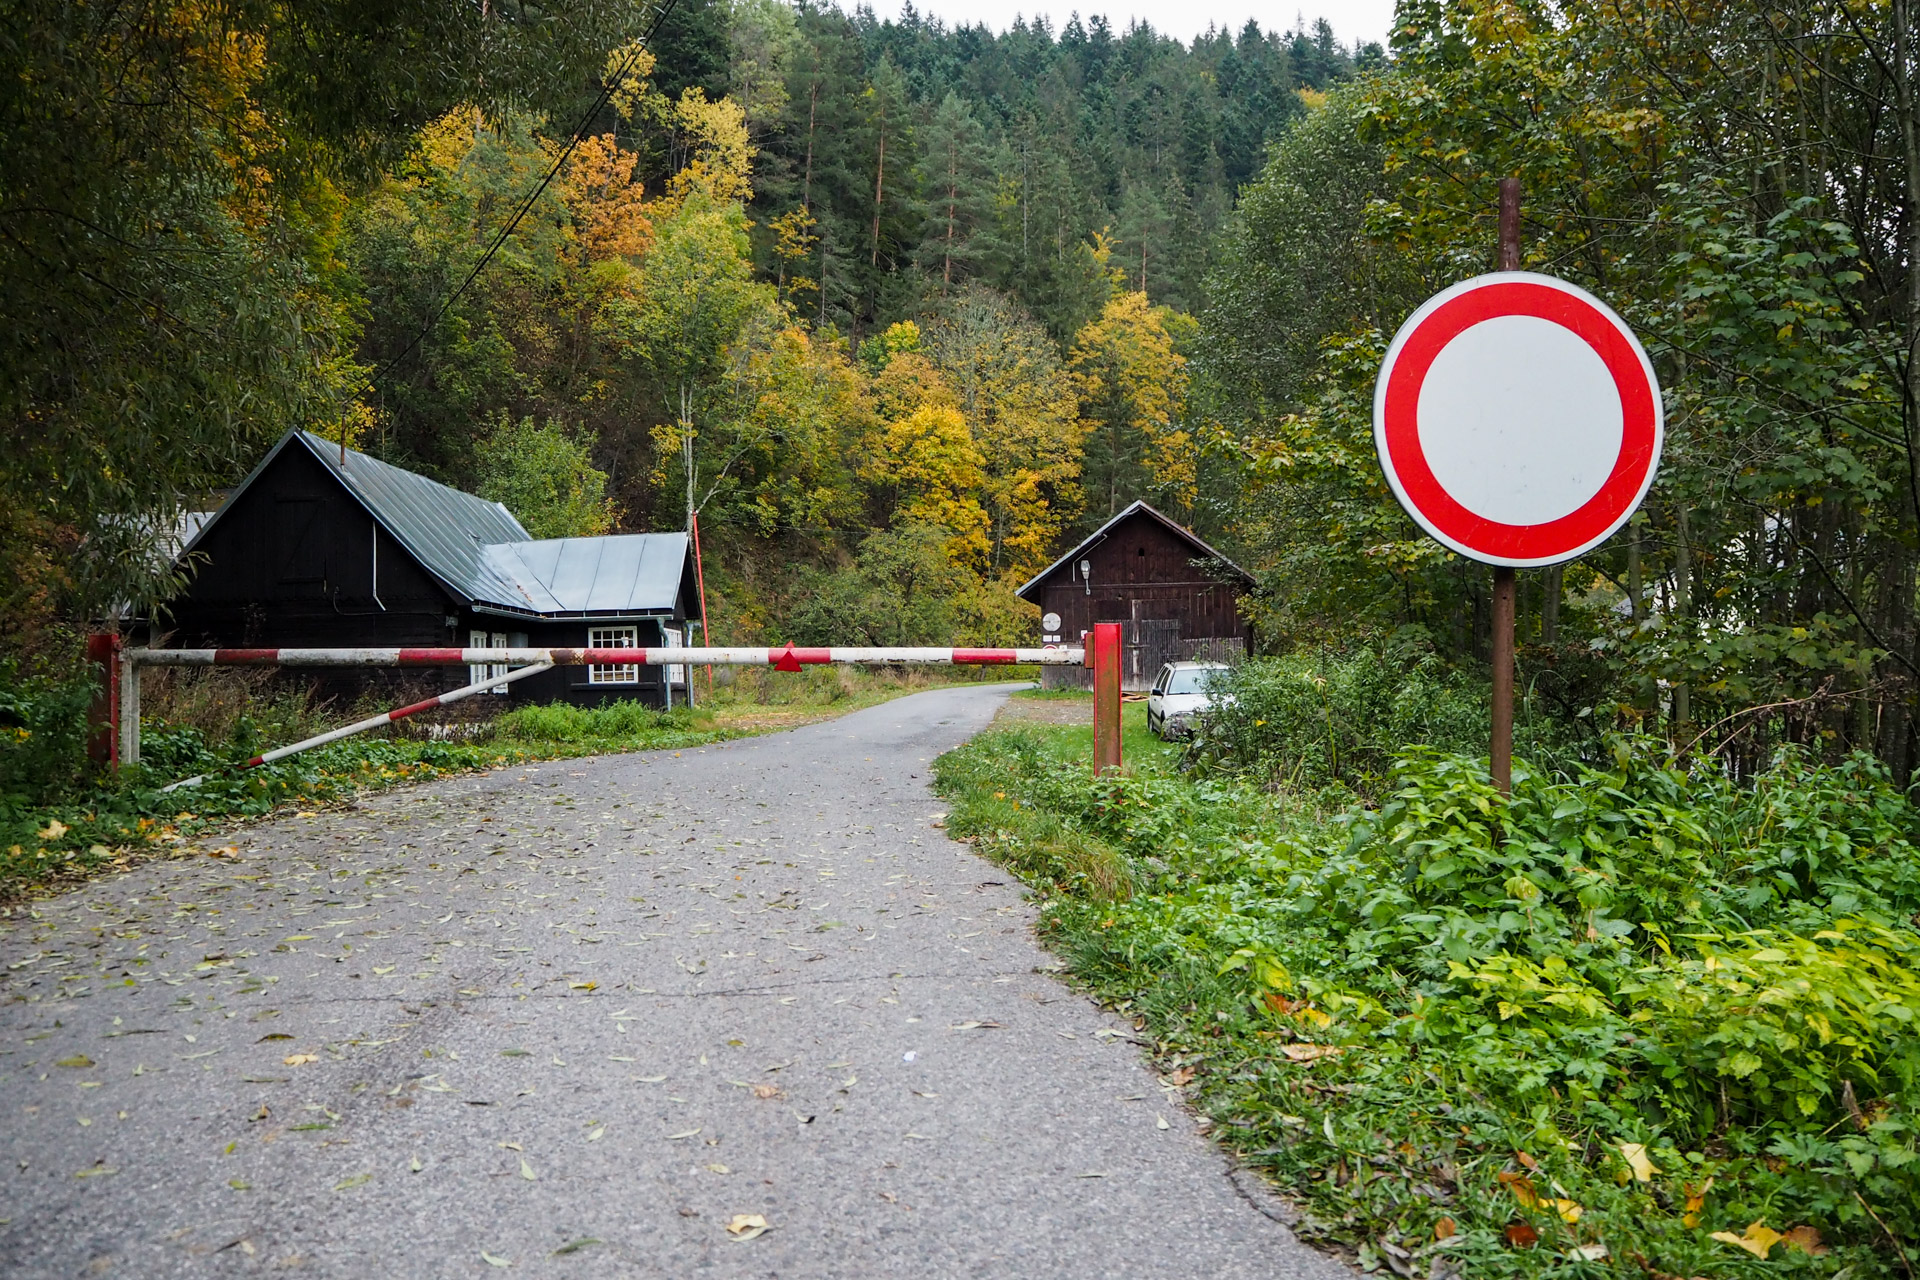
607,88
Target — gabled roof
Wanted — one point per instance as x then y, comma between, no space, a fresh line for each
1201,551
481,554
441,527
619,574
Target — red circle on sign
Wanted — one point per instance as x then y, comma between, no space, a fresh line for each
1411,357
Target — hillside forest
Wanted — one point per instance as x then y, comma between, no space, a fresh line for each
899,309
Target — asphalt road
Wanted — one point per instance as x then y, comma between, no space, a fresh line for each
571,1020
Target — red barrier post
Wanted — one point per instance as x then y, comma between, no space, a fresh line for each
103,717
1106,697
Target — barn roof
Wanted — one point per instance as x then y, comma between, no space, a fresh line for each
481,553
1201,551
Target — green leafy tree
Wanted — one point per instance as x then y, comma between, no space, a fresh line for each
545,475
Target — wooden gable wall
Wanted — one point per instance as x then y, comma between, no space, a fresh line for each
291,562
1143,572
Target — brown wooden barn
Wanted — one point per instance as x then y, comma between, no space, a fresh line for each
1175,597
320,549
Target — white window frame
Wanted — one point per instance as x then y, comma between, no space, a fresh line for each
487,670
491,670
674,638
613,638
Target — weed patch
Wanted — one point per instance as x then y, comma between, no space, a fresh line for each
1603,1029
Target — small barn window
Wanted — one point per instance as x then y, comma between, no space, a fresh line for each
612,638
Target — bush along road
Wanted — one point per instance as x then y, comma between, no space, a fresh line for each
1636,1022
732,1010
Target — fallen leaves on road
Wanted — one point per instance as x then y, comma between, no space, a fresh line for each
490,1260
526,1171
972,1026
745,1226
768,1091
300,1059
77,1060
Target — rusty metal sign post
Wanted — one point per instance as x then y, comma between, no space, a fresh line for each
1519,422
1505,577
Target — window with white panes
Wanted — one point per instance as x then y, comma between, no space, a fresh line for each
612,638
489,670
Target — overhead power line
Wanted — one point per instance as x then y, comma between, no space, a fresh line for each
607,87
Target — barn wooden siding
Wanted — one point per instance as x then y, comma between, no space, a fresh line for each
1145,576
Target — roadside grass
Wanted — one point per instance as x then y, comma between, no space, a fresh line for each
104,823
1633,1024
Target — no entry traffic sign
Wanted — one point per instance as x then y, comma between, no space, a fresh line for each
1518,419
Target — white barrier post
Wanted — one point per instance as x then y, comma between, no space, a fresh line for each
129,727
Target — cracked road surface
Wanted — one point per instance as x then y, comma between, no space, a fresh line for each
572,1019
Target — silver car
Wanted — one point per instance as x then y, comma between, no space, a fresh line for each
1181,695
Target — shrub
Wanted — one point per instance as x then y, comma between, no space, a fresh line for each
1308,720
43,736
1720,977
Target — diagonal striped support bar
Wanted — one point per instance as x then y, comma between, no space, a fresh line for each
374,722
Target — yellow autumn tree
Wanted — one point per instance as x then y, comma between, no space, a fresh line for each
929,465
1132,384
1019,404
607,202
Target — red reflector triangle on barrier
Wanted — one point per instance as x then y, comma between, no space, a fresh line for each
785,659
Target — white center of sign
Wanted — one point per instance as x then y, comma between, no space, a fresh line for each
1520,420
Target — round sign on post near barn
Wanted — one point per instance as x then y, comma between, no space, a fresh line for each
1518,419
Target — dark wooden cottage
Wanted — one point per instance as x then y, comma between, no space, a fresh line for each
1175,597
321,549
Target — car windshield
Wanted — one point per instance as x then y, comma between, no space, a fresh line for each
1191,679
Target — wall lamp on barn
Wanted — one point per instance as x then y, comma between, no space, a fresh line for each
1086,574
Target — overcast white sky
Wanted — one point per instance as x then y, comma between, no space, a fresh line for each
1352,19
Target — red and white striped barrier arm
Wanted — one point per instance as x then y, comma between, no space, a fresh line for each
786,658
374,722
